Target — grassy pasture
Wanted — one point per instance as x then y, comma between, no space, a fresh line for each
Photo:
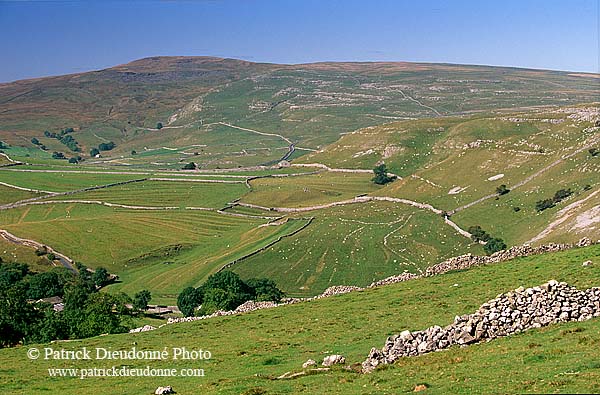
61,181
163,251
304,191
250,348
356,245
184,193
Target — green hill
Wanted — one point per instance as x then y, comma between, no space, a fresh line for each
250,349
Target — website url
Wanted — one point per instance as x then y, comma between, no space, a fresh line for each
124,371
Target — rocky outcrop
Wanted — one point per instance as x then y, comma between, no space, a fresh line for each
144,328
333,360
164,390
508,313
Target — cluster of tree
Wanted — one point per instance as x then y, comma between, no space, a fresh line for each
189,166
75,159
25,318
559,196
58,155
226,291
102,147
381,175
594,151
502,190
64,137
37,142
492,244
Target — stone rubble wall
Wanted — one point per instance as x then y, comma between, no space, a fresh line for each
454,263
507,314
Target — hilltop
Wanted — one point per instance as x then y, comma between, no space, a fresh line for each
260,109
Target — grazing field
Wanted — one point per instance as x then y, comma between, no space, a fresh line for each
164,250
356,245
10,252
183,193
560,358
309,190
61,181
8,194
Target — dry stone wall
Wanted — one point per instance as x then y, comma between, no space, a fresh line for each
508,313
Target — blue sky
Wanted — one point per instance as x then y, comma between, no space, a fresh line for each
40,38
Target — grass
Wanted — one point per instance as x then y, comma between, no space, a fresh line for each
62,181
8,194
560,358
308,190
163,251
166,193
356,245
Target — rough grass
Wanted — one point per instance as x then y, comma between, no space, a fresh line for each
355,245
166,193
248,349
309,190
60,182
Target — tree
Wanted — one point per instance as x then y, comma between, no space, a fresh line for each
189,166
265,289
94,152
98,316
106,146
478,234
159,125
494,245
101,277
133,152
502,190
188,300
594,151
73,160
17,316
562,194
381,175
44,285
35,141
58,155
141,299
544,204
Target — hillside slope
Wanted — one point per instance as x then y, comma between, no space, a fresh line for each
308,104
560,358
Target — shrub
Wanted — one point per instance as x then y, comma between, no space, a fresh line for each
478,234
188,300
494,245
502,190
106,146
544,204
381,175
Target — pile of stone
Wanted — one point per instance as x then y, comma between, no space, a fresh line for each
508,313
144,328
469,260
338,290
454,263
395,279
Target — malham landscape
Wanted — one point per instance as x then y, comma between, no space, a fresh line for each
199,224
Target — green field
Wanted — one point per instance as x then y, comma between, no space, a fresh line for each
184,193
560,358
356,245
61,181
309,190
